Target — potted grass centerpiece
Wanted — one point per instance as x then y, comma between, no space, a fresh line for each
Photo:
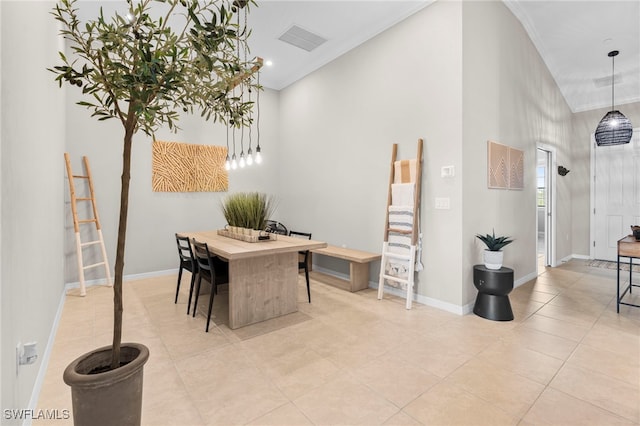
246,214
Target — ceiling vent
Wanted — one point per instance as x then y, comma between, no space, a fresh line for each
606,81
299,37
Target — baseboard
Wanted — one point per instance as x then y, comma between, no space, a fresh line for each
428,301
131,277
46,356
532,276
577,256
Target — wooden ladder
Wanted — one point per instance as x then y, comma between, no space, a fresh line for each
407,258
93,220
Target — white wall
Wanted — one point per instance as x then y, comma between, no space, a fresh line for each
2,344
511,98
456,74
155,217
32,173
337,130
584,125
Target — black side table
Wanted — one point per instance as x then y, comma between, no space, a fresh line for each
493,286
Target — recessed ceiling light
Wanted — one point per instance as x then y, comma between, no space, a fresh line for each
268,62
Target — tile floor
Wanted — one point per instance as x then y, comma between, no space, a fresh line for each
348,359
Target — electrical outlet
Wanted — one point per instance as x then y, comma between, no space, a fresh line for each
25,354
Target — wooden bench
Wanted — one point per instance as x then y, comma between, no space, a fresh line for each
358,268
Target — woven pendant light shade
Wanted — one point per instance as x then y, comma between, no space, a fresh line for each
614,129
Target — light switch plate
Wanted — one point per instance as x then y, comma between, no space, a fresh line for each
443,203
447,171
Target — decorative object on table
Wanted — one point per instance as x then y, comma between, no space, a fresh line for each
247,235
185,167
136,69
614,128
635,230
247,214
505,166
494,286
563,171
493,255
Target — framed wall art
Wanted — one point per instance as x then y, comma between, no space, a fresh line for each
505,166
183,167
516,168
497,165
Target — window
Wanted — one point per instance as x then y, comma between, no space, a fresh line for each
541,187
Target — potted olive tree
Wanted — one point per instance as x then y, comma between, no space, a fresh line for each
493,254
143,68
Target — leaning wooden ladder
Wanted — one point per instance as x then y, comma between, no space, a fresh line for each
403,224
77,222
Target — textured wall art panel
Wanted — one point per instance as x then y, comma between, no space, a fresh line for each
498,165
516,169
183,167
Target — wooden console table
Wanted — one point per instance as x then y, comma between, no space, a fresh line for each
630,248
263,276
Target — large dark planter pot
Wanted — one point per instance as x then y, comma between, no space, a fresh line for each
112,397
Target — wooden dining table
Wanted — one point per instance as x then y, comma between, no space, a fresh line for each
263,276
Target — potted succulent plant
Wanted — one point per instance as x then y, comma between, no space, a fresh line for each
143,68
493,254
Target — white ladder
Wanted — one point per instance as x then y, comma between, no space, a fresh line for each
409,258
77,222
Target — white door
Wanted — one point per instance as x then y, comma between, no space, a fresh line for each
616,194
544,201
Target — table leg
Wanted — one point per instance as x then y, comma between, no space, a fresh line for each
630,278
261,288
618,288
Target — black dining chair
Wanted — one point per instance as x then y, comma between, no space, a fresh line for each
303,264
212,269
188,262
276,228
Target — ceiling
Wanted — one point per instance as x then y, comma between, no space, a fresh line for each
345,25
573,38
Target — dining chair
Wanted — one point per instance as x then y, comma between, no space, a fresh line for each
303,264
188,262
276,228
212,269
